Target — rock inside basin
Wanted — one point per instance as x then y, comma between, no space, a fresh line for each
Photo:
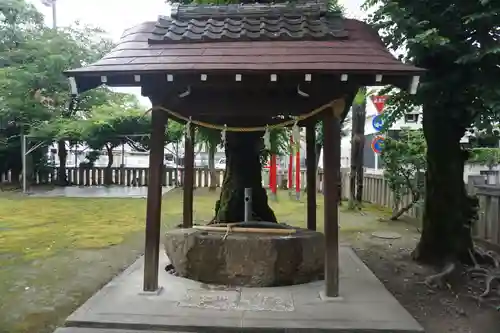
246,259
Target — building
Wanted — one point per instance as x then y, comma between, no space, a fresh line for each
128,156
371,160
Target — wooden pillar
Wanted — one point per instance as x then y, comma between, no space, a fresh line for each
187,221
153,209
331,166
311,175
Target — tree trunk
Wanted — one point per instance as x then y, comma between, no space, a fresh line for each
357,144
354,149
352,173
16,175
317,149
361,146
399,212
108,173
211,166
448,210
62,153
243,170
359,182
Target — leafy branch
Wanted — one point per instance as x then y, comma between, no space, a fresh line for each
404,161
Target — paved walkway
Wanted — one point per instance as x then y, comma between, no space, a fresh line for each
96,192
185,305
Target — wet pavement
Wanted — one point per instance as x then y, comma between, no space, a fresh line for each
96,192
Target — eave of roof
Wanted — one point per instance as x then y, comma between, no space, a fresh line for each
359,52
230,42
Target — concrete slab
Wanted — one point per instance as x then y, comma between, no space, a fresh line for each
95,192
185,305
102,330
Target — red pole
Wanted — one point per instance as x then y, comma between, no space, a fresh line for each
290,165
272,175
297,172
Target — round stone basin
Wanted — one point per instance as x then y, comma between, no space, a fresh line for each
246,259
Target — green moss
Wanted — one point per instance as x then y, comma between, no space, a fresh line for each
374,208
33,228
39,227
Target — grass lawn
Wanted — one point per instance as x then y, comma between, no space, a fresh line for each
56,252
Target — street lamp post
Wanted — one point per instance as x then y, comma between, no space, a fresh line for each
52,4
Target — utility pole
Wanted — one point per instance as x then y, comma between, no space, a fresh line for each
52,4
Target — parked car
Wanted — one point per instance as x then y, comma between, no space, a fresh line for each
221,164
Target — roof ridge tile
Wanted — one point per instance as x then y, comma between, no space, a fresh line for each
242,29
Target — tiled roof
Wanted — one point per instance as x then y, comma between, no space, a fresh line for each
252,10
247,29
361,51
241,41
248,22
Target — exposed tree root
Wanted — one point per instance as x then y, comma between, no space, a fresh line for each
489,281
489,269
473,258
494,258
439,279
486,267
477,271
491,302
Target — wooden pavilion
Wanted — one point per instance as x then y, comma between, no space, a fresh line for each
248,65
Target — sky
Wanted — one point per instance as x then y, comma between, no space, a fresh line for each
114,16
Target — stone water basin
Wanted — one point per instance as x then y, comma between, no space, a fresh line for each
246,259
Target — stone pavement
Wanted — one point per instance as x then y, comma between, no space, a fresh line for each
95,192
185,305
103,330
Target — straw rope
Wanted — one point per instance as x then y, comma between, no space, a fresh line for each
337,106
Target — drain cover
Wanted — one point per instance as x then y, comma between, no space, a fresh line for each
386,235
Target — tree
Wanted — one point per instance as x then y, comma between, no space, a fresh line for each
357,148
75,46
106,127
457,42
489,157
404,164
32,85
210,139
243,170
244,154
18,22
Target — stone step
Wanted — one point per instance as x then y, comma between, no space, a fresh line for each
105,330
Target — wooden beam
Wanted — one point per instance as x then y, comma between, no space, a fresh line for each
311,175
163,84
331,165
153,209
236,104
187,221
244,121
